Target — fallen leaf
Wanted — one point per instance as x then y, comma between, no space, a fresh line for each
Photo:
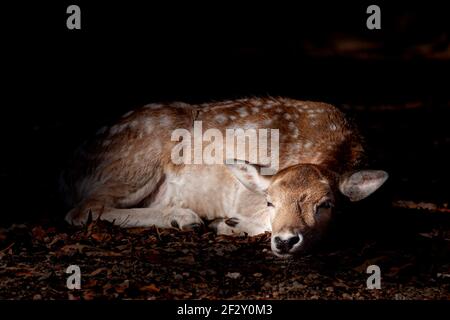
187,260
57,238
363,267
233,275
72,296
88,294
90,283
97,271
394,271
38,233
7,248
122,287
149,288
70,248
103,254
101,237
443,275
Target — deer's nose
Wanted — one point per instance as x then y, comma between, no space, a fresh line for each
284,243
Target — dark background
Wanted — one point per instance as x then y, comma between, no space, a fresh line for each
60,85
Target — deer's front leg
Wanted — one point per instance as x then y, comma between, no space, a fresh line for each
237,227
172,217
182,218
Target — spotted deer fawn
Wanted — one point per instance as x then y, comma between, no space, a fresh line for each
127,173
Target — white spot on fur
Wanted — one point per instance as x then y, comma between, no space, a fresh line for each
139,157
165,121
333,127
148,124
287,116
181,105
257,102
307,145
296,147
153,106
102,130
129,113
220,118
242,112
293,130
255,110
233,117
316,158
249,125
118,128
114,129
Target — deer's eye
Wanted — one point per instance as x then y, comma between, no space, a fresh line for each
325,205
269,204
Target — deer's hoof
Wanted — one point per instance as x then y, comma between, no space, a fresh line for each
186,220
78,217
225,226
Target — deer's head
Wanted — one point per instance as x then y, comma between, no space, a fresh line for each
301,199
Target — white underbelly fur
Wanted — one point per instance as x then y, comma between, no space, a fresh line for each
203,190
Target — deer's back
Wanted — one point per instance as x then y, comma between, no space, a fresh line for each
309,132
138,147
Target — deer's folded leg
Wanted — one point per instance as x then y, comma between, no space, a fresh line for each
236,227
134,217
184,219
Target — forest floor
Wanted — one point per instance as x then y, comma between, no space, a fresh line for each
148,263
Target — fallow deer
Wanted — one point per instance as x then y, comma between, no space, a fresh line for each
127,175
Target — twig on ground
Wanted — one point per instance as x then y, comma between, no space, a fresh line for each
405,204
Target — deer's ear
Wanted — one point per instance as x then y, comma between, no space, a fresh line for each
359,185
249,175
